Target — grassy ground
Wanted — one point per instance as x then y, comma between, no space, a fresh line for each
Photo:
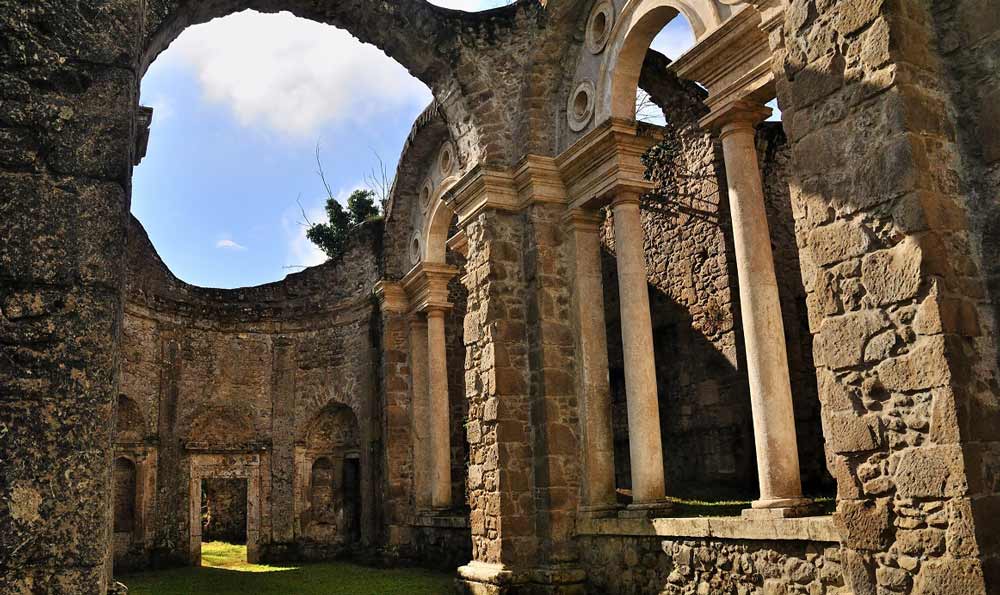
225,571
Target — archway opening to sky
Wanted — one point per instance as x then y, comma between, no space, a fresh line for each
240,106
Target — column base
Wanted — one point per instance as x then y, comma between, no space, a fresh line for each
781,508
481,578
647,510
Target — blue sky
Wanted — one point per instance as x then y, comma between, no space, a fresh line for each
240,104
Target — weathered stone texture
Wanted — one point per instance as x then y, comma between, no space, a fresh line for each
640,565
249,370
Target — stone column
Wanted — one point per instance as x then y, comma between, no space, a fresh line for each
645,446
767,361
438,427
420,411
592,364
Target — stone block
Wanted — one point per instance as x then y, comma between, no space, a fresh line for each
931,472
925,366
842,339
892,275
864,524
838,241
949,577
848,433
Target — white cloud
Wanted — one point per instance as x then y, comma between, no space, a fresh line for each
229,245
301,250
292,75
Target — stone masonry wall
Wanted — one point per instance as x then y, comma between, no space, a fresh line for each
245,370
894,292
627,565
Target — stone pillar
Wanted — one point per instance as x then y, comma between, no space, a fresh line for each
437,391
767,360
645,446
420,411
592,364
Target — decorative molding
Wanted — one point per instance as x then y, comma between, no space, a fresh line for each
733,61
606,160
580,107
426,286
537,180
481,188
391,297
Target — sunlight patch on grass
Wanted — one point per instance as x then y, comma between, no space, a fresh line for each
233,556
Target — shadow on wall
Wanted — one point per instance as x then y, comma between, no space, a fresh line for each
705,413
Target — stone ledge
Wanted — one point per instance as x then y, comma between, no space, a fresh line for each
816,528
441,521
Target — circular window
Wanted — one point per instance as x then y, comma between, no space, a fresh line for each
425,196
446,161
599,24
581,106
415,249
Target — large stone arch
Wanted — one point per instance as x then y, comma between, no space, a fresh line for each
634,29
415,33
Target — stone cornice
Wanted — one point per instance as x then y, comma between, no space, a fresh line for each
459,243
733,61
426,286
537,180
391,297
604,161
481,188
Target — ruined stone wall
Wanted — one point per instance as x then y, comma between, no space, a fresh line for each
247,370
893,293
694,302
632,565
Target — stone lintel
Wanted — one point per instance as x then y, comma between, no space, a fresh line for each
391,297
817,528
426,286
481,188
732,62
606,161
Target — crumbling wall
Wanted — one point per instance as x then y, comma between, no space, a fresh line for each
694,300
657,565
246,370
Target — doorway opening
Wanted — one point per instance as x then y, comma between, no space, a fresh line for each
223,521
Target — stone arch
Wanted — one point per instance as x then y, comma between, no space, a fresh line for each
334,427
634,30
438,225
415,33
406,220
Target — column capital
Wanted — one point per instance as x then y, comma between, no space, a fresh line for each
426,285
735,115
391,297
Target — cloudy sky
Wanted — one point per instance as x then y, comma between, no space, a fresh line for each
240,105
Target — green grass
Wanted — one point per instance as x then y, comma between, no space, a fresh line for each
225,571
